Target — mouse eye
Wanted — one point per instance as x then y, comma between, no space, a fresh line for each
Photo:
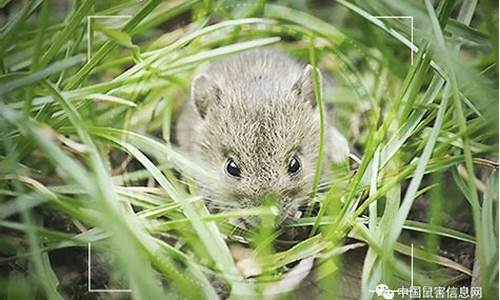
293,165
232,168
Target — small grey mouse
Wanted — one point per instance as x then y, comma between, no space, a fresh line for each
253,119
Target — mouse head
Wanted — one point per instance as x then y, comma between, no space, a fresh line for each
259,138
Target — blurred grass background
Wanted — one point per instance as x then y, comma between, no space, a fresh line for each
86,111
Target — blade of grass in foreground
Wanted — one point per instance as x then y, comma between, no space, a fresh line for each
9,31
105,49
160,151
319,102
306,20
490,231
409,225
69,29
125,228
465,15
156,54
219,52
32,78
41,269
419,172
167,70
207,231
71,168
390,31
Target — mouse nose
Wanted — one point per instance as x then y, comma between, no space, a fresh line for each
263,184
266,193
267,199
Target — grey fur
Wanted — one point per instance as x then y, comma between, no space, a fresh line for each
259,109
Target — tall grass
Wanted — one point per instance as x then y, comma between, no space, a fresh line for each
86,140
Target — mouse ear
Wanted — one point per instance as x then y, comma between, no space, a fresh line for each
338,150
304,86
204,92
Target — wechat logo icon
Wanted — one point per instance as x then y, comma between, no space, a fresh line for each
382,290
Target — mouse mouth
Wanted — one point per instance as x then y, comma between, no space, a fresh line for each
285,221
311,209
287,212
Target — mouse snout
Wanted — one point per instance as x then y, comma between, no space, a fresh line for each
266,197
271,189
262,195
263,187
